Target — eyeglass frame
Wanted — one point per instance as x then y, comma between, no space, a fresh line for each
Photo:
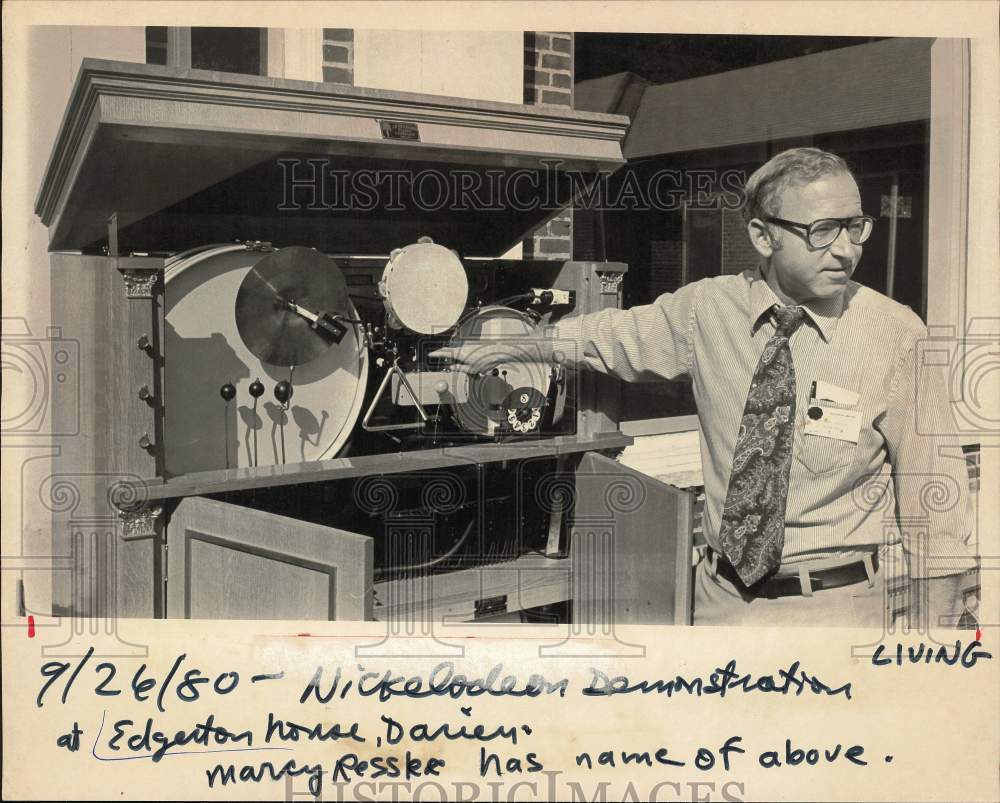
842,222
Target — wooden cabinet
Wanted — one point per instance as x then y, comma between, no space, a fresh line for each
627,560
631,546
160,176
231,562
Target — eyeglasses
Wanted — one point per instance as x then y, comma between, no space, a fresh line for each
821,233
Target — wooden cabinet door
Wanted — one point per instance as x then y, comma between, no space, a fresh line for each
231,562
631,547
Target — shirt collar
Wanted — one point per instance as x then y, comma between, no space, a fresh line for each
824,313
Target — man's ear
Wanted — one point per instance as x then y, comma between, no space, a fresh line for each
760,237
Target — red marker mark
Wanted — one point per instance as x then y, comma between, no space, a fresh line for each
31,627
979,634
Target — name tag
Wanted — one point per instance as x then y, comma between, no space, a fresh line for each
826,421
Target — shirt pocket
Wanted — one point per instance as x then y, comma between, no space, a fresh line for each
824,455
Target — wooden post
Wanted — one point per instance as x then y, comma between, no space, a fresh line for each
136,404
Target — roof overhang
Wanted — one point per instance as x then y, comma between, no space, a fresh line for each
186,157
863,86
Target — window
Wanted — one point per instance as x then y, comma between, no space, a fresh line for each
234,50
156,44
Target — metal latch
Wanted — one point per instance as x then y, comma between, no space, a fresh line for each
491,606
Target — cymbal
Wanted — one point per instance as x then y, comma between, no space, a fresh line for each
286,305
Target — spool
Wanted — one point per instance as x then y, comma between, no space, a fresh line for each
491,381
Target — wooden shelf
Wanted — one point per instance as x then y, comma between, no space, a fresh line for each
527,582
203,483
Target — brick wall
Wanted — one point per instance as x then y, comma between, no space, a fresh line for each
548,68
666,267
338,55
548,81
554,240
737,252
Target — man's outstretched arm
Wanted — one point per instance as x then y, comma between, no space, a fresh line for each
652,341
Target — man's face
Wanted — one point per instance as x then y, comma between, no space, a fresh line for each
803,273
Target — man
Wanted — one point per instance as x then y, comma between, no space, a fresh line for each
807,391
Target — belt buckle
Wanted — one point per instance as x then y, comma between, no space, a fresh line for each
810,584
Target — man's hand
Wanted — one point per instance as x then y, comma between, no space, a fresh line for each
472,351
492,351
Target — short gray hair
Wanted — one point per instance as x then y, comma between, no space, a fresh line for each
794,166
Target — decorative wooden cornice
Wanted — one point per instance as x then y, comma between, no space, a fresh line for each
145,522
139,282
148,99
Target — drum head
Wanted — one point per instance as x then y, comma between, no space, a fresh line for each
498,381
425,288
203,350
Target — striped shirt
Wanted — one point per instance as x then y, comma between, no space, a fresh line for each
841,498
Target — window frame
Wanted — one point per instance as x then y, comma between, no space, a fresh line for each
179,48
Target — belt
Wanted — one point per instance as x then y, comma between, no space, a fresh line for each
794,585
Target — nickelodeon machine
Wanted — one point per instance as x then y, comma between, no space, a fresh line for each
258,272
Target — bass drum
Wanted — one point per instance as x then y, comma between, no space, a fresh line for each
506,391
203,351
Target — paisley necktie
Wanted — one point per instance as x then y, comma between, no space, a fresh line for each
753,519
